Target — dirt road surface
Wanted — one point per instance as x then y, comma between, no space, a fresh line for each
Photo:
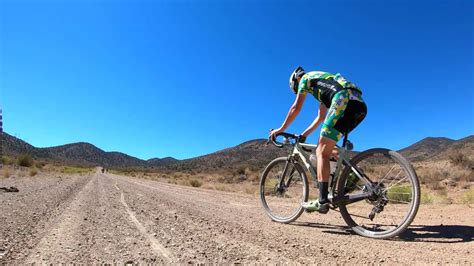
104,218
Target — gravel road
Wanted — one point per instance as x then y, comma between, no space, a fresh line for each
104,218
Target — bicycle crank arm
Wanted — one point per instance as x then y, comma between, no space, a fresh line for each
352,198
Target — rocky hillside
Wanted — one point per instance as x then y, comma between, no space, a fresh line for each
162,161
14,146
464,146
80,153
438,148
255,154
252,154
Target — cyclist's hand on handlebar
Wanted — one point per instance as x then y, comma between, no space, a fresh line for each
301,139
273,133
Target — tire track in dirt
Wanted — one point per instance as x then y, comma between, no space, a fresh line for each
111,219
312,239
25,215
190,227
94,229
157,247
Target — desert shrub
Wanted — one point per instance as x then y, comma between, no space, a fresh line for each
6,173
457,158
468,196
251,190
240,171
76,170
426,198
429,198
195,183
228,179
4,160
460,159
432,177
222,187
40,165
25,160
33,172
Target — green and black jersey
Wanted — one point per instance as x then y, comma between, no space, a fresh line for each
323,85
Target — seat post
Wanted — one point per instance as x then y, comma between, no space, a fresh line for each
344,142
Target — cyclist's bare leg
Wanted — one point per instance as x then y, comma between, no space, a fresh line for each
323,153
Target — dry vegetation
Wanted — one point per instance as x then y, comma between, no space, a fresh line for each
442,181
447,181
25,165
446,177
243,180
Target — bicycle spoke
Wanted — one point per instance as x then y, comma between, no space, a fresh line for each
385,176
395,184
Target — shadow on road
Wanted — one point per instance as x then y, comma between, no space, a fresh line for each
328,228
439,233
417,233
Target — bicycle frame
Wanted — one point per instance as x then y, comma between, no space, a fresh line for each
301,153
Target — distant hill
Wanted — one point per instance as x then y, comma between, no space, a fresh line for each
162,161
425,148
80,153
254,154
438,148
464,146
13,146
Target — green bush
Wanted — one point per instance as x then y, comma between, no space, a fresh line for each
25,160
400,194
468,196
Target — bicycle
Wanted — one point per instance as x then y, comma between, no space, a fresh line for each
377,191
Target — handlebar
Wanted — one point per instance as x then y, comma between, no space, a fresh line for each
287,136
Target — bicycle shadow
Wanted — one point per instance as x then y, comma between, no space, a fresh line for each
439,233
328,228
415,233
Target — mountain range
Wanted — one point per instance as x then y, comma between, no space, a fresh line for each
80,153
253,153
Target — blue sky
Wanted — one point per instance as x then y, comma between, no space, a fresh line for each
186,78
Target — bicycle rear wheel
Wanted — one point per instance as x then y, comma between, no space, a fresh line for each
393,205
283,190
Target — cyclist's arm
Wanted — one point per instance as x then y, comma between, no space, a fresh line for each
294,111
320,118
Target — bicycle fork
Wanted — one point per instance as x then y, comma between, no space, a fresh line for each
281,183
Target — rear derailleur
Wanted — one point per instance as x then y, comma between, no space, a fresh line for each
379,200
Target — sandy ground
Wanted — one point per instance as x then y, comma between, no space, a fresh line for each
104,218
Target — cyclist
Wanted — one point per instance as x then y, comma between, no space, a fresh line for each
343,108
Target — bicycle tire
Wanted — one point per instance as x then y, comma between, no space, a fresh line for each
415,194
298,209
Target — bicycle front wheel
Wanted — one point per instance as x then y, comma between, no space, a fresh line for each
395,199
283,187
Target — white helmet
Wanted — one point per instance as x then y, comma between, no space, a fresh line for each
299,72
